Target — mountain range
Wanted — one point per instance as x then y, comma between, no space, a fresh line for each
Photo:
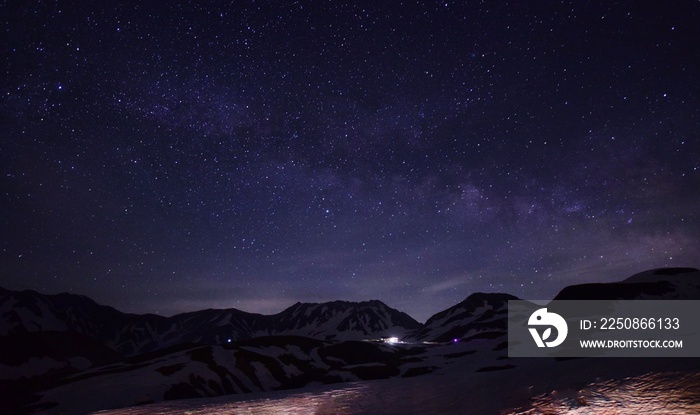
57,349
27,311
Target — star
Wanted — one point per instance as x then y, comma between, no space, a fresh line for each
310,152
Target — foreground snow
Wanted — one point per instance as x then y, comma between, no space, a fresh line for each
455,363
533,387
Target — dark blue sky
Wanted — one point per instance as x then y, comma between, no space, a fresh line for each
172,158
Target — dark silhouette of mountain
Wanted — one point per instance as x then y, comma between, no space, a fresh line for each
254,365
23,312
656,284
131,334
28,311
56,348
37,360
344,320
479,316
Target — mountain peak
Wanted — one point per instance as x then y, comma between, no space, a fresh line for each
479,315
657,284
661,274
344,319
479,296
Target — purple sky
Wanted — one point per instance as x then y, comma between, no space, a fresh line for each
255,155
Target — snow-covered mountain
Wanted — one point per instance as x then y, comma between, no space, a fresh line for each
46,339
56,348
479,316
28,311
342,320
262,364
655,284
131,334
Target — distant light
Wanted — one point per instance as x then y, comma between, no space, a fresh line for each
455,340
392,340
228,341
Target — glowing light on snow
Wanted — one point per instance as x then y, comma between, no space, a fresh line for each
392,340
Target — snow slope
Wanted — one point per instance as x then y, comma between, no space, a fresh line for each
131,334
64,353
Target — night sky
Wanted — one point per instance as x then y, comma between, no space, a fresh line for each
200,155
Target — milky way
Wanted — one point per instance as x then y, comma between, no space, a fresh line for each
168,159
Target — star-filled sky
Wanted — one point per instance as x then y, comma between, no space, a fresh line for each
172,157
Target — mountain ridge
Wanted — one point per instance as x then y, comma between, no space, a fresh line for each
29,311
332,320
657,283
55,347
